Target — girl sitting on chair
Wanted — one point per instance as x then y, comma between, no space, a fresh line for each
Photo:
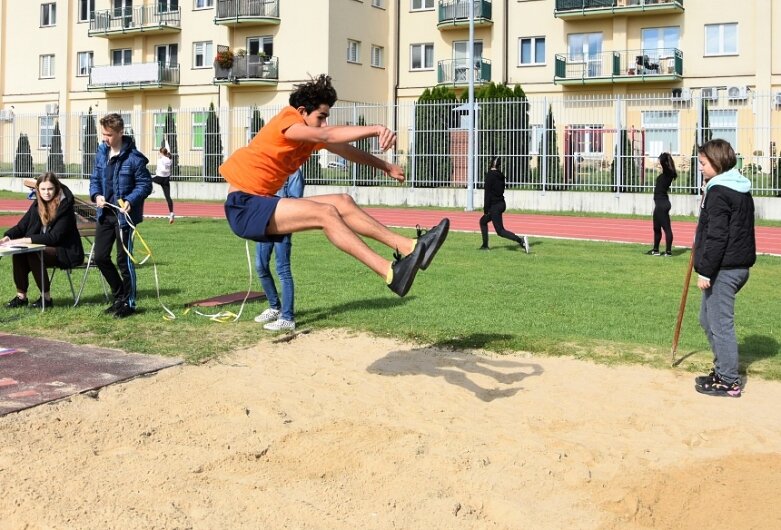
49,221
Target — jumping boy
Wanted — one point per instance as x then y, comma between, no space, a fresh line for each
256,172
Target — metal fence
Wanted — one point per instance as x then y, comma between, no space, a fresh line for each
597,143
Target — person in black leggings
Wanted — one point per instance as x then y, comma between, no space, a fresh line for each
494,206
662,205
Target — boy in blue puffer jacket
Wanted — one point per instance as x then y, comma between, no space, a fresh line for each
121,178
724,250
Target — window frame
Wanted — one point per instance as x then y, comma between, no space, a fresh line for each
124,52
48,10
378,51
353,46
208,52
89,6
47,134
672,127
423,46
198,130
721,40
732,128
171,52
422,5
90,63
264,42
209,5
379,4
46,61
533,46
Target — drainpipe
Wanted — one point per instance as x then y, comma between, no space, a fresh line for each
505,43
396,70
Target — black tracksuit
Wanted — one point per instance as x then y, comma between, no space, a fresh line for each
494,206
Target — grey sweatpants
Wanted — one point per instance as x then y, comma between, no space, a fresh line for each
717,318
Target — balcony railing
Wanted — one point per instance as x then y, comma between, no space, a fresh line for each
457,71
602,8
250,69
455,13
628,66
124,20
133,76
232,12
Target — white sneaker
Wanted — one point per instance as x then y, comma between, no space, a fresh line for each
171,217
525,244
280,325
269,315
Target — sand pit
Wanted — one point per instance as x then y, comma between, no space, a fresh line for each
334,430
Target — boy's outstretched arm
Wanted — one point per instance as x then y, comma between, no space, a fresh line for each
359,156
341,134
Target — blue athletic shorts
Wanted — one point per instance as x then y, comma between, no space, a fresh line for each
248,215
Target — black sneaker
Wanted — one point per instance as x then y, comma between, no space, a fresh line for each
432,240
37,304
483,247
653,252
124,311
16,302
667,254
110,310
717,387
702,379
405,269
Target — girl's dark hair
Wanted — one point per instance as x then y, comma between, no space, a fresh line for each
720,155
496,163
316,92
165,152
47,210
668,165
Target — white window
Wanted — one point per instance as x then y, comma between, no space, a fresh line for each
724,125
159,125
46,68
461,59
378,53
202,54
531,50
535,138
203,4
721,39
586,139
198,130
46,131
121,57
167,6
167,55
48,14
378,3
418,5
661,132
127,119
256,45
422,56
353,51
84,63
586,48
86,10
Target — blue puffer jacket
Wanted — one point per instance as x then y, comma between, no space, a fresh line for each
131,179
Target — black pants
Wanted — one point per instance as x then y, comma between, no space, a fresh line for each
30,263
108,233
494,215
165,183
662,222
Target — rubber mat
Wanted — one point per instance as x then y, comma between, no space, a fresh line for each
232,298
35,371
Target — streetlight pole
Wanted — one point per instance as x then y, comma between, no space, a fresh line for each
470,164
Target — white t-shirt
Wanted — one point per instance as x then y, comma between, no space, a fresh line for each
163,167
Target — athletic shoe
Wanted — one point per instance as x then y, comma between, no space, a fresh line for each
269,315
432,240
525,244
483,247
124,311
653,252
171,218
37,304
702,379
405,269
667,254
280,325
110,310
717,387
16,302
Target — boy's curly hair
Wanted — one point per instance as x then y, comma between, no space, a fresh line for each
316,92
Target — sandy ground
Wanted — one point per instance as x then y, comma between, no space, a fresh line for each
339,431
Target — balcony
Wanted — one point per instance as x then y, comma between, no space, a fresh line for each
252,12
248,70
628,66
454,14
142,76
457,71
115,23
576,9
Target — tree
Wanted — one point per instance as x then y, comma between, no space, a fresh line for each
256,123
433,121
549,153
89,146
212,149
169,134
704,125
23,162
56,163
630,170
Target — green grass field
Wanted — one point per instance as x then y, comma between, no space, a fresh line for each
600,301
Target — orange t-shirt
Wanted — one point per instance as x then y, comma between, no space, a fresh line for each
262,166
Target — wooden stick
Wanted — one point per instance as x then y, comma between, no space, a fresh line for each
682,307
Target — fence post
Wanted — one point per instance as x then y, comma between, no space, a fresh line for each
544,154
618,140
411,151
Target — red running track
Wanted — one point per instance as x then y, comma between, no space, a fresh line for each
536,225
